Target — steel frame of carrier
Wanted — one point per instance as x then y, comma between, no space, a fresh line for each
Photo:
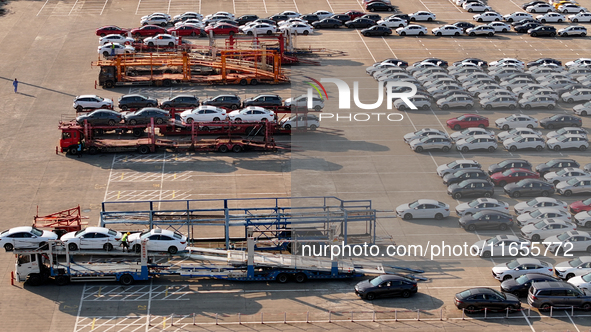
277,218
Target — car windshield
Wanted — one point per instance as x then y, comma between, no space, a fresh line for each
535,213
532,202
511,117
575,262
540,224
462,117
573,181
413,204
561,131
145,235
587,277
561,172
517,138
465,294
587,201
36,231
452,164
376,281
470,139
563,236
424,139
112,232
561,138
492,240
512,264
507,172
522,279
463,184
478,215
458,173
473,203
466,131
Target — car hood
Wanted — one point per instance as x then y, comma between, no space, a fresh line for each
550,175
441,168
512,186
555,239
480,244
410,136
563,185
511,297
509,284
521,206
457,135
462,207
497,175
403,207
448,177
577,281
363,286
133,237
494,168
563,266
68,236
466,219
501,268
451,120
49,235
524,217
528,228
234,113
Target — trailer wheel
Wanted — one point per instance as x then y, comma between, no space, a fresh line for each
34,280
243,82
370,296
223,148
282,278
126,280
159,121
254,82
8,247
237,149
108,247
138,132
216,119
287,126
72,247
111,122
92,150
143,149
105,54
301,277
73,150
167,83
79,108
313,127
62,280
173,250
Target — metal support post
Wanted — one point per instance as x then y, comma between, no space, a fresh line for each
572,311
262,321
485,311
329,316
351,316
193,318
285,318
172,320
507,316
307,317
441,314
418,314
551,311
463,309
216,319
373,319
239,319
395,315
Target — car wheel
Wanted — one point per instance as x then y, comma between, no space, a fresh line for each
575,20
551,106
173,250
72,247
106,54
582,148
439,216
556,148
487,194
412,19
481,126
107,247
535,237
503,227
486,254
545,307
457,127
445,149
516,194
444,107
583,34
507,277
8,247
545,193
370,296
470,10
438,34
79,108
458,195
402,33
488,107
159,121
490,34
471,228
465,149
480,20
406,293
313,127
513,148
126,280
471,308
133,122
539,148
282,278
469,106
543,21
407,216
419,149
552,34
111,122
491,149
306,32
301,278
567,193
421,33
505,127
586,306
502,183
584,113
124,108
504,30
530,126
534,34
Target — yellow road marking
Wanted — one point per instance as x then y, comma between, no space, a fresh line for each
93,321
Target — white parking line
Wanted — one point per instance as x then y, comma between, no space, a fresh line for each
359,34
105,5
46,1
329,5
571,320
168,9
74,6
421,1
108,181
296,6
265,5
79,308
453,4
234,5
138,6
388,46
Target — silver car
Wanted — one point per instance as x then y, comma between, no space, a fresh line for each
527,88
568,141
478,82
472,131
558,83
504,72
472,76
479,142
574,186
434,142
475,91
497,102
455,101
441,81
540,92
505,135
422,133
565,174
567,130
537,102
577,95
441,89
583,109
421,102
432,77
458,71
497,93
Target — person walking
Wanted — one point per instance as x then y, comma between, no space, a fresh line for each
112,49
124,241
15,84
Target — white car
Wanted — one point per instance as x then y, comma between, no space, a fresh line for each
506,61
505,135
568,141
322,14
162,40
516,121
519,267
252,114
115,38
443,143
91,102
517,16
524,142
582,282
479,204
582,109
580,62
476,7
25,237
575,267
457,165
540,92
472,131
551,18
568,8
539,8
501,245
583,219
221,13
302,101
423,209
487,17
413,30
546,228
188,14
92,238
392,22
282,23
497,93
192,22
539,214
484,142
420,101
422,133
158,240
567,130
155,20
381,66
108,49
291,14
309,121
447,30
573,30
576,95
156,14
481,30
500,26
571,241
422,16
580,17
540,202
298,28
259,29
203,113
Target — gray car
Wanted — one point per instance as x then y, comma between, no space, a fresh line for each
558,83
540,92
455,101
180,101
421,102
547,294
472,187
578,185
537,102
422,133
475,91
576,95
498,102
445,88
146,114
434,142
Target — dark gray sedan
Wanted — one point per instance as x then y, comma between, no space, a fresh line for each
181,101
561,121
462,175
555,165
145,114
136,101
476,187
386,286
100,117
486,219
529,187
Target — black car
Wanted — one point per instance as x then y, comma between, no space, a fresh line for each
555,165
531,3
373,17
360,23
376,31
486,219
476,61
310,18
520,286
524,21
542,31
278,17
227,101
146,114
405,17
529,187
477,188
328,23
464,174
136,101
380,7
479,298
100,117
524,28
263,101
435,61
543,61
394,61
242,20
507,164
560,121
180,101
341,17
464,25
387,285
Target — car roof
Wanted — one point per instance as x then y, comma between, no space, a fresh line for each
20,229
487,200
526,260
134,95
507,237
545,199
86,96
387,277
96,229
428,201
191,96
552,284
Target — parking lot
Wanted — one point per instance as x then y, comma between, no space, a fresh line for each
48,46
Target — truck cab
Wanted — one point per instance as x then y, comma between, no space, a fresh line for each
70,140
107,77
32,267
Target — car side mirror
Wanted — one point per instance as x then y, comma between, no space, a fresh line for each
516,269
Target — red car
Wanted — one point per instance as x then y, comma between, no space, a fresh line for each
148,31
185,30
353,14
222,29
513,175
110,29
467,121
580,206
